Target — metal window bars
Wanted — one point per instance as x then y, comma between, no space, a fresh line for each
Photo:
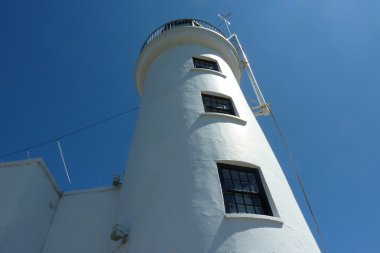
179,23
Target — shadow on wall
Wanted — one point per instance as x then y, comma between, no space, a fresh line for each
230,227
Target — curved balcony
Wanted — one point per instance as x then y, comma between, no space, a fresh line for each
178,23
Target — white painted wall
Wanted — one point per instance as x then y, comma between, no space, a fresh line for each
28,199
83,222
35,217
171,198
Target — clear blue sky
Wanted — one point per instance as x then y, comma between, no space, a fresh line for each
66,64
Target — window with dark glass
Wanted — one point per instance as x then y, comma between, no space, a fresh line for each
205,64
218,104
243,191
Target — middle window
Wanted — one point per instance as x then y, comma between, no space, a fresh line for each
218,104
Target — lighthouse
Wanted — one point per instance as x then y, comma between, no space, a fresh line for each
201,176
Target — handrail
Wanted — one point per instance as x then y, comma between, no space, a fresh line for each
178,23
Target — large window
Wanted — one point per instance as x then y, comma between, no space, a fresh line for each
218,104
243,190
205,64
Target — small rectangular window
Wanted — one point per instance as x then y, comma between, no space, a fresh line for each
218,104
243,191
205,64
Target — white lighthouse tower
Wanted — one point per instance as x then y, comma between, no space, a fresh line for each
201,176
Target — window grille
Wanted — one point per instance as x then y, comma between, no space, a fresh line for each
205,64
243,191
218,104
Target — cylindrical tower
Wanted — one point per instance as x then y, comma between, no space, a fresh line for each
201,176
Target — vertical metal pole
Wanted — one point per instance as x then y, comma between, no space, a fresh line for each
63,161
247,66
228,28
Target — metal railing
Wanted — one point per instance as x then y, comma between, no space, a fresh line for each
178,23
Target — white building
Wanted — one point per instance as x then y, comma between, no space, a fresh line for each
201,176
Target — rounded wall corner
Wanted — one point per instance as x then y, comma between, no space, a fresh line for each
185,36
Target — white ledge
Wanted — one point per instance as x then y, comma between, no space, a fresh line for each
210,71
254,217
223,115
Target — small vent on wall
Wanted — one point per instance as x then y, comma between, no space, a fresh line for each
119,232
116,181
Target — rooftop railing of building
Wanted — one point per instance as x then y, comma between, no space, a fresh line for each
178,23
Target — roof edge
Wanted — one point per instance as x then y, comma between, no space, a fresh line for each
36,161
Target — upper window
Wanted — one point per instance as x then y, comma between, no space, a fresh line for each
205,64
243,191
218,104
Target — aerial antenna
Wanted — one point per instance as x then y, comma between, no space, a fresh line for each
263,107
63,161
226,22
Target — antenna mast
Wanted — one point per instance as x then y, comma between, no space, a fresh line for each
263,107
226,22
